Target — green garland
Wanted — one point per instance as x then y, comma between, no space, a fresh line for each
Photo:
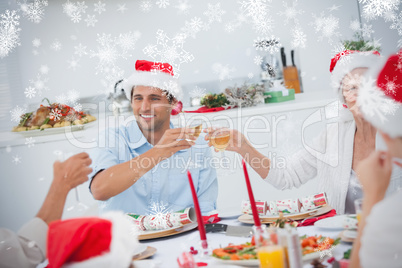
214,100
359,43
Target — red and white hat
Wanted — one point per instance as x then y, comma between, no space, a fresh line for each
381,101
153,74
107,241
346,61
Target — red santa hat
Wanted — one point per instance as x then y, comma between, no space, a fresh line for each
153,74
381,101
346,61
109,241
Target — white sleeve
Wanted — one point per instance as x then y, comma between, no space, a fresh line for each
298,168
25,249
381,244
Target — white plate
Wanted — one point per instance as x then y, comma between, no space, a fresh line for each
229,214
145,235
247,263
140,249
311,256
332,223
56,130
147,264
350,234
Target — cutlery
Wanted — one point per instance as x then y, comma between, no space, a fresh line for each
242,231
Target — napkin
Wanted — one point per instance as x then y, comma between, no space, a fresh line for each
211,218
204,109
313,220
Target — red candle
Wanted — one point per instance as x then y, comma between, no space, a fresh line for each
257,221
201,227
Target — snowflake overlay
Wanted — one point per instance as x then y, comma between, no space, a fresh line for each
325,249
16,159
197,92
214,12
99,7
159,211
16,113
258,60
291,12
34,11
271,45
169,50
397,24
30,142
377,8
30,92
163,3
223,71
9,32
299,39
373,102
327,26
74,10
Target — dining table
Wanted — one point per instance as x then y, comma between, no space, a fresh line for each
168,249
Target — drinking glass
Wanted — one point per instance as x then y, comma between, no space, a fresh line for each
220,138
79,206
359,209
197,126
270,253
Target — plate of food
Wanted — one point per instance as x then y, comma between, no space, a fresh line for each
243,255
312,246
152,234
54,118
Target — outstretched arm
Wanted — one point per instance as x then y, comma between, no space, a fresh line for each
118,178
238,143
374,174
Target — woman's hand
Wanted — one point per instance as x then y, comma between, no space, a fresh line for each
374,174
237,140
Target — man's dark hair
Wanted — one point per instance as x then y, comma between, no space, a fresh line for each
166,93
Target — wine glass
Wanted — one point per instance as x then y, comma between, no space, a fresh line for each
195,124
79,206
220,138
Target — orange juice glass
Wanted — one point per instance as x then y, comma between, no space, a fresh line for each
271,256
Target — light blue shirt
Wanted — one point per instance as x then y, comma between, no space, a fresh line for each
165,188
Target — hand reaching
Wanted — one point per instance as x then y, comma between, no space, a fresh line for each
176,139
72,172
236,142
374,174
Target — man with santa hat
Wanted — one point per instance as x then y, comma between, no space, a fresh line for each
379,237
142,168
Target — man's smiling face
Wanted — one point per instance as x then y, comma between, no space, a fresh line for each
151,108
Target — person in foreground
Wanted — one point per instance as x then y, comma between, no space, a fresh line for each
28,247
143,168
337,151
378,243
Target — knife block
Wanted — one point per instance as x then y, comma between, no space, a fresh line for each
291,78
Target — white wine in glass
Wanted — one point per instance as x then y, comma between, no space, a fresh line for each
220,139
197,126
198,129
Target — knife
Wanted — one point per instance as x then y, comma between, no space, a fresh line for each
242,231
283,57
292,54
